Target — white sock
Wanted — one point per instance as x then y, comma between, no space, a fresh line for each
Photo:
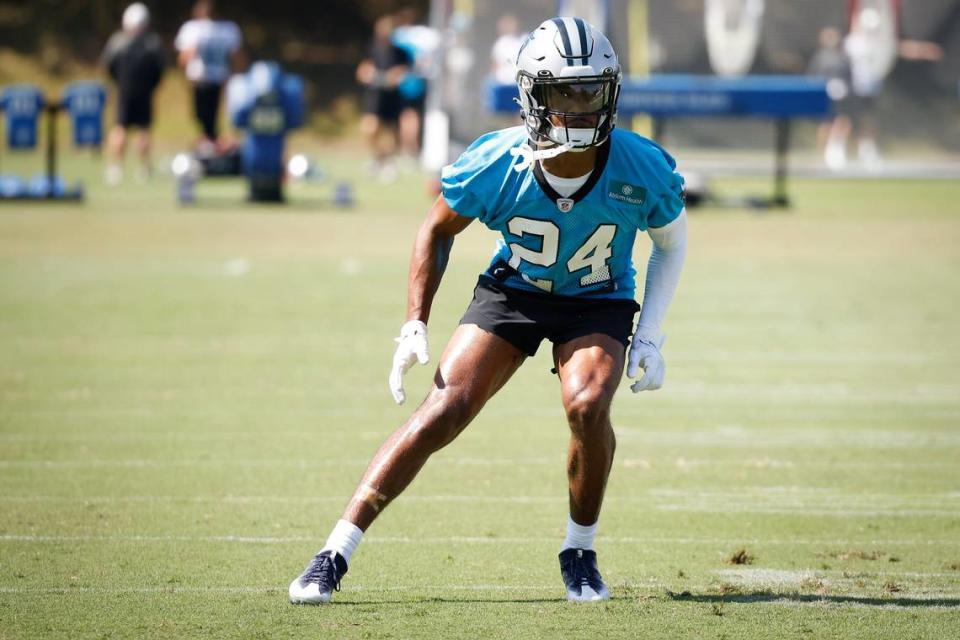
344,539
579,536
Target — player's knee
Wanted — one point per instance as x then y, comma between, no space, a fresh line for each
441,419
588,411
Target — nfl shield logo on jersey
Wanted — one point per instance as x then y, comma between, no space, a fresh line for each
564,204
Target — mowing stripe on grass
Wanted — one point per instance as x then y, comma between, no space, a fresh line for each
802,436
630,463
836,509
804,511
929,601
780,494
482,540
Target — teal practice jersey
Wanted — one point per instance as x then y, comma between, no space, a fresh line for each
576,246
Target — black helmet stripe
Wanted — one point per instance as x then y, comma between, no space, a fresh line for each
567,48
582,30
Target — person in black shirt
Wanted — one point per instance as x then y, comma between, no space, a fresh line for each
381,72
135,59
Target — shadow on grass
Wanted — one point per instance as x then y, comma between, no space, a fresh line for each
769,596
442,600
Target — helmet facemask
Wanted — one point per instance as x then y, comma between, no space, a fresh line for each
578,112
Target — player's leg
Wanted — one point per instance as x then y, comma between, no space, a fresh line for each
410,131
198,106
835,152
213,122
116,147
867,150
370,130
144,142
590,368
388,112
206,105
474,365
144,145
387,146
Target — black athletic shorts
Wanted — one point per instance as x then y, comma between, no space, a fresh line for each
135,110
386,104
417,104
525,319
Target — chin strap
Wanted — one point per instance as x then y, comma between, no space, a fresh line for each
528,155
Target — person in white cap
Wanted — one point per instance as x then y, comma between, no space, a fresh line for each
135,60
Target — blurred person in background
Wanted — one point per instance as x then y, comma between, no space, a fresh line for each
503,61
380,73
209,51
831,62
420,42
873,44
503,53
134,58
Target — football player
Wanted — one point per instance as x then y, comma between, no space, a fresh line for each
209,50
569,192
135,60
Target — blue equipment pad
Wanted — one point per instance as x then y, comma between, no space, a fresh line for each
673,95
84,102
22,104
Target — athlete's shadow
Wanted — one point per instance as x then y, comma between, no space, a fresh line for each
769,596
441,600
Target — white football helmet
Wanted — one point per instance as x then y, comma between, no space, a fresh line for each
569,80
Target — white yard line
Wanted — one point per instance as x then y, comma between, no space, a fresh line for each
728,509
816,394
803,435
678,463
794,494
137,463
863,357
795,576
830,543
790,499
737,505
812,438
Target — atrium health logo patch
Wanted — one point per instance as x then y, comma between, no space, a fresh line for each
629,193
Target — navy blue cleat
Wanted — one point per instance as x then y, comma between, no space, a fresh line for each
581,576
319,580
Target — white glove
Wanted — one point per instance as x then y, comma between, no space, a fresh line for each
645,354
411,346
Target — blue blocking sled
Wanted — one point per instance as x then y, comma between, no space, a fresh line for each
23,107
266,103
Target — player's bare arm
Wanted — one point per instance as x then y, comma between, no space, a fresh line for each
431,252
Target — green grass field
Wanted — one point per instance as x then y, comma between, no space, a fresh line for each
188,397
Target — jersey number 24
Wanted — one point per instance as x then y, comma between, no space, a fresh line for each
592,254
